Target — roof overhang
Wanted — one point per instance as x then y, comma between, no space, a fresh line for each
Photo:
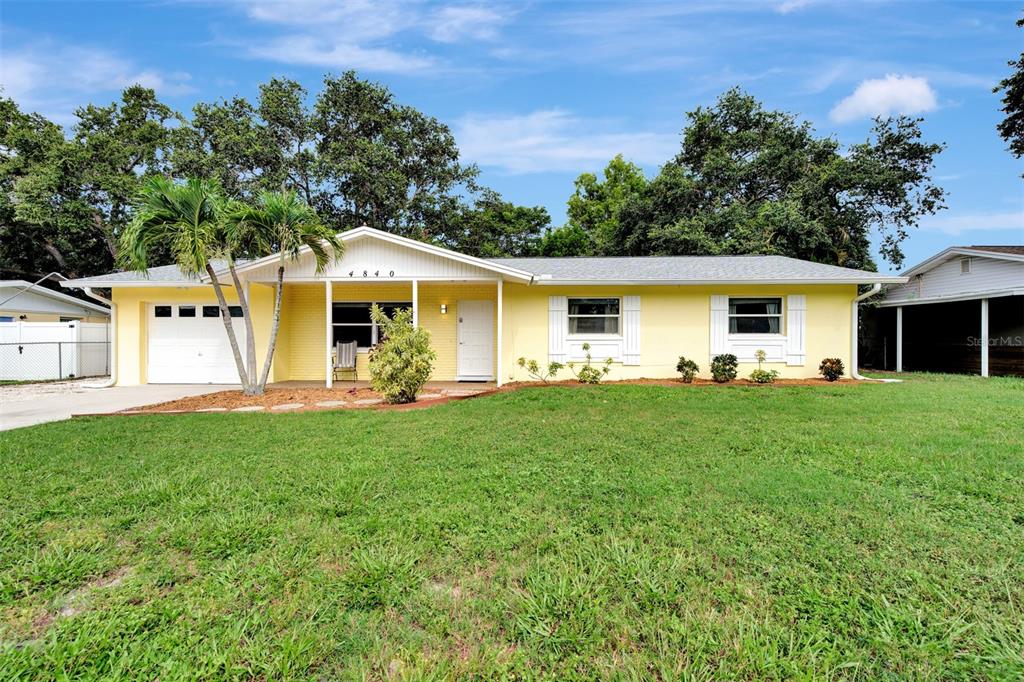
89,283
369,232
943,256
29,288
713,282
969,296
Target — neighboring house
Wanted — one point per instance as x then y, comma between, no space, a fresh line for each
962,310
20,301
483,314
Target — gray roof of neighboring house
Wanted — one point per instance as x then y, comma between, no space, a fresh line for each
16,294
684,269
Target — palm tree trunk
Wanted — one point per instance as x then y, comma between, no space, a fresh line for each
250,340
273,329
225,316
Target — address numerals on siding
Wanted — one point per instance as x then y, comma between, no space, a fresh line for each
368,273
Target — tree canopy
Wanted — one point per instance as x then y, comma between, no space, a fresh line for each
1011,128
749,180
745,180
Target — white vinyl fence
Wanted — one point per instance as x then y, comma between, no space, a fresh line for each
41,351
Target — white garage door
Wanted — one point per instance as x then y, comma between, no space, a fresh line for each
188,345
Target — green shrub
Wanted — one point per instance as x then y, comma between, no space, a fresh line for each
533,368
763,376
402,360
723,367
589,374
687,369
831,368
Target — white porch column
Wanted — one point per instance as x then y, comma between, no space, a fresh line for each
899,338
328,335
415,303
984,337
498,376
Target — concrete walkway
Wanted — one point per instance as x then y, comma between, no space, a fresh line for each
28,404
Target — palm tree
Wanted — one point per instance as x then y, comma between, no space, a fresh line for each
279,223
189,220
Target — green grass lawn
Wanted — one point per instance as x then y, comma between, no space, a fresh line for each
628,532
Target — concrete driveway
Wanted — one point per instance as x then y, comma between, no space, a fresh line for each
28,404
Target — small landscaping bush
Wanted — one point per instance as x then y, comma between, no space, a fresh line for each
763,376
723,367
402,360
687,369
831,368
589,374
533,368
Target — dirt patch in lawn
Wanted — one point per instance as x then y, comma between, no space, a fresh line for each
286,399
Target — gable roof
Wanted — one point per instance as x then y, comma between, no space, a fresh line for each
1005,252
373,233
580,270
691,270
11,300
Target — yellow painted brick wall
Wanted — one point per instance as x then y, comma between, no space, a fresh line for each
674,321
303,320
444,328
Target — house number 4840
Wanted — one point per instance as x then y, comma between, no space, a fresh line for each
367,273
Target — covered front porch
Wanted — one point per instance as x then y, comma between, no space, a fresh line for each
464,319
456,298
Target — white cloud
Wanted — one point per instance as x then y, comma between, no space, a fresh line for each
316,51
52,78
788,6
968,222
361,34
554,140
893,94
457,22
354,21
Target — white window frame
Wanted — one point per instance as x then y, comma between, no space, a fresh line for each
595,335
760,335
374,328
965,265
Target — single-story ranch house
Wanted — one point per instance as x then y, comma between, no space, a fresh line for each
483,314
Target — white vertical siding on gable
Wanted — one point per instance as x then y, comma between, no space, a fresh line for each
372,259
631,331
558,327
987,274
796,314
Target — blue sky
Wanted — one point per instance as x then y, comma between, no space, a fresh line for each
538,92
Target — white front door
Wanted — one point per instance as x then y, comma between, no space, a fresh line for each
476,340
188,344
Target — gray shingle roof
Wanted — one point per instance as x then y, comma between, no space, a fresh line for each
688,269
170,274
653,269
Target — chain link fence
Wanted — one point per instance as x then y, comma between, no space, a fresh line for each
53,360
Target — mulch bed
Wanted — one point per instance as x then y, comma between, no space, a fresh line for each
677,383
350,397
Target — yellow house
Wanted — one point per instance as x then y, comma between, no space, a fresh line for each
484,314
